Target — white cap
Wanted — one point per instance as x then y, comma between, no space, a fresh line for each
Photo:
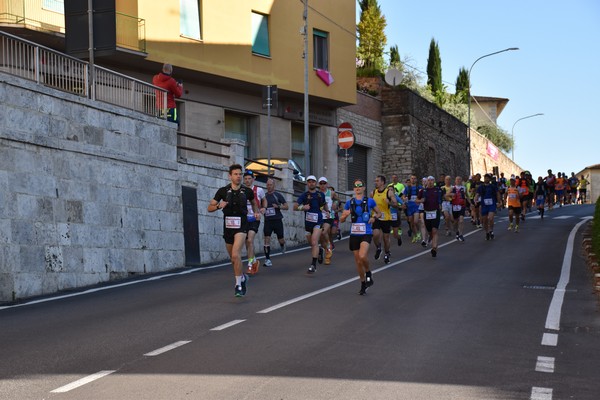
322,179
311,178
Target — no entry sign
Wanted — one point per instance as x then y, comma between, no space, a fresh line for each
345,135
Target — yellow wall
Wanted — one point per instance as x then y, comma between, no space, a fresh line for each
225,48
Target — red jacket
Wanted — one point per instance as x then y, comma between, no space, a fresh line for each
170,85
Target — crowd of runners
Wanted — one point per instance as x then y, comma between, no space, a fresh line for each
376,215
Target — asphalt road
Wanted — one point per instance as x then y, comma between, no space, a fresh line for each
473,323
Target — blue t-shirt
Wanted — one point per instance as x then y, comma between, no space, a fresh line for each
315,200
487,192
362,216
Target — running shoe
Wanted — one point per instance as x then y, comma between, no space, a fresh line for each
487,236
378,253
517,229
243,285
320,257
369,279
457,237
311,269
339,235
419,236
492,235
414,239
434,252
386,258
423,243
510,226
363,289
461,238
238,291
268,263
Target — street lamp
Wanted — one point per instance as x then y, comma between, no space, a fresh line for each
469,101
512,135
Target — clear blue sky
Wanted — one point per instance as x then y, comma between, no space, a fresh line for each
555,72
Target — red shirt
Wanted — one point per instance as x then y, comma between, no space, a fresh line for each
173,89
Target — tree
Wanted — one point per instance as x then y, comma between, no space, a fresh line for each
395,57
497,135
371,35
434,68
462,85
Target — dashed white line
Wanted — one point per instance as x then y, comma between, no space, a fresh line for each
81,382
544,364
228,325
167,348
550,339
563,217
539,393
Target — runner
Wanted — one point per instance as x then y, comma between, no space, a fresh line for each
421,218
447,205
502,185
327,219
412,208
559,189
253,223
273,203
334,233
582,187
550,182
363,211
513,200
459,205
522,186
473,186
431,198
540,195
488,195
396,215
384,198
311,203
232,199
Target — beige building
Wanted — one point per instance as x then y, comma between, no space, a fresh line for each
226,52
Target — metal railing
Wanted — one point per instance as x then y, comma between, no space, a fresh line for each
51,68
48,15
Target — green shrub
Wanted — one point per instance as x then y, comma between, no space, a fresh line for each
596,229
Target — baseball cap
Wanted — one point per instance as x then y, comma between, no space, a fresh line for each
322,179
311,178
249,173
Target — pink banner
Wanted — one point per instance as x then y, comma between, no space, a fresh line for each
492,151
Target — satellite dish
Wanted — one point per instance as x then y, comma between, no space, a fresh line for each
393,77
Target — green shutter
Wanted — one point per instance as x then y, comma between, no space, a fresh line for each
260,34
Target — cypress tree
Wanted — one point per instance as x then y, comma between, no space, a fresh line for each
462,85
434,68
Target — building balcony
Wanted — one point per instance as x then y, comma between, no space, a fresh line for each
43,21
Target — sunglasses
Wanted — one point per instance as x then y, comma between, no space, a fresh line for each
359,185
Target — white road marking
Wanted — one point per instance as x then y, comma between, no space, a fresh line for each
553,319
563,217
82,381
228,325
167,348
550,339
544,364
539,393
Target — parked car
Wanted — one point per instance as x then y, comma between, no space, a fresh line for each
259,167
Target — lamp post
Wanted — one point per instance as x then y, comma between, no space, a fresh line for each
512,135
469,101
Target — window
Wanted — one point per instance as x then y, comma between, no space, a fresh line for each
321,50
54,5
237,126
260,34
189,19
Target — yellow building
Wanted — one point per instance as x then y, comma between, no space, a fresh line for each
226,52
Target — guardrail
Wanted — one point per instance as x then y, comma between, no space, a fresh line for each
51,68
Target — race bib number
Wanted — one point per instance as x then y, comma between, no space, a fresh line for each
358,229
233,222
395,217
488,202
512,196
430,214
270,212
413,198
540,197
312,217
456,207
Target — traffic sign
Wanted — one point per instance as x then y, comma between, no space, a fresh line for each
345,136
